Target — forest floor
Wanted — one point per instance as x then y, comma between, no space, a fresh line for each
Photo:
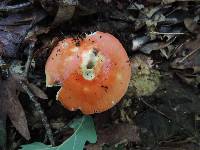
160,110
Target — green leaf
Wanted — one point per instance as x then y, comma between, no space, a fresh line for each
37,146
84,131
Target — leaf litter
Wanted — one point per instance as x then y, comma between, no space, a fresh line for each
84,130
160,109
12,106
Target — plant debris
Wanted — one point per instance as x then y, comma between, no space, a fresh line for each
12,106
84,131
160,109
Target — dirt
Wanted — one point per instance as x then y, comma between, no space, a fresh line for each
160,110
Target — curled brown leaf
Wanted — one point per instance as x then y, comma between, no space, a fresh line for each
13,107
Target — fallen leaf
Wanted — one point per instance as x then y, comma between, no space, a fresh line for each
65,12
137,42
14,28
13,107
115,134
50,6
191,25
37,146
84,131
172,1
149,47
16,69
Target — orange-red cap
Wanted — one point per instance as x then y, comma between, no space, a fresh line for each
93,72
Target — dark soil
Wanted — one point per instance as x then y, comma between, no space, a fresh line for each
160,110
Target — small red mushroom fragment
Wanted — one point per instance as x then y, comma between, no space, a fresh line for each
93,72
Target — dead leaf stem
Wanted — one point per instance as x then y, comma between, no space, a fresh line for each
190,54
40,111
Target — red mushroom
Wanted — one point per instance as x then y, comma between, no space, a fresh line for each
93,72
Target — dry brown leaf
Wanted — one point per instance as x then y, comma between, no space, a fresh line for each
14,28
191,25
148,48
115,134
64,13
172,1
13,107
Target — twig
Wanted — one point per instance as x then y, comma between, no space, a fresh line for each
30,55
14,7
190,54
26,88
167,33
150,106
40,111
170,119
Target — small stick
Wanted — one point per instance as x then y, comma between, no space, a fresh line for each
150,106
28,62
190,54
14,7
26,88
161,113
40,111
167,33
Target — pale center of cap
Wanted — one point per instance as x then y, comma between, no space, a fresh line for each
75,49
89,61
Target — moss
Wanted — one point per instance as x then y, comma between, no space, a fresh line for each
146,84
145,79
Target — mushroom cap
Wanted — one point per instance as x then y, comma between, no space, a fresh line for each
93,72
